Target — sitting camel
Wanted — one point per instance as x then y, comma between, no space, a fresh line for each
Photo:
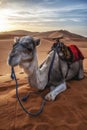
24,54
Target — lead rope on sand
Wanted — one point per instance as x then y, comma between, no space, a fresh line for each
13,76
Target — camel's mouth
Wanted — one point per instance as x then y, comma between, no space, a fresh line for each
13,61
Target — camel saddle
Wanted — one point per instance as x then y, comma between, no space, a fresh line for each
68,53
72,53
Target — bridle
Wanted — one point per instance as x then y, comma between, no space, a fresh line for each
13,76
24,46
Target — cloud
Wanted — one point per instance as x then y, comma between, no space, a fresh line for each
46,13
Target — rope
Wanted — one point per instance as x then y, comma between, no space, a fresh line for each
13,76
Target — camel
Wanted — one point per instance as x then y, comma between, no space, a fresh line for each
24,54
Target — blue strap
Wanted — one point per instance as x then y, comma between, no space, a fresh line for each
13,76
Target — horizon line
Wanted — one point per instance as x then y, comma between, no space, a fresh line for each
42,31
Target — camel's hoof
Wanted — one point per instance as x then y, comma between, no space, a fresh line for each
50,97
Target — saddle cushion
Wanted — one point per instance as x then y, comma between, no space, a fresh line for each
77,55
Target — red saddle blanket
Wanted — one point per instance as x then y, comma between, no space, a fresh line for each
77,55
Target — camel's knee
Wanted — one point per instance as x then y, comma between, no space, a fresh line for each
52,88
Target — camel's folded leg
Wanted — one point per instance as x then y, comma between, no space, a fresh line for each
52,95
81,72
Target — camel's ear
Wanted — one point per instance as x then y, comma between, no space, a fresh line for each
16,39
37,42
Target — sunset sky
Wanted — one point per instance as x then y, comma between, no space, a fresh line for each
44,15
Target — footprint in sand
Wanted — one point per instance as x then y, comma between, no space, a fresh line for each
85,95
28,127
43,127
82,105
3,88
8,81
62,127
44,118
64,114
82,126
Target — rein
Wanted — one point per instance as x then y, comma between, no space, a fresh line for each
13,76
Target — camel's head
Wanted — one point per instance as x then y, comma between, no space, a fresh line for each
23,50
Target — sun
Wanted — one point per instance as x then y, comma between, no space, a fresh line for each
4,22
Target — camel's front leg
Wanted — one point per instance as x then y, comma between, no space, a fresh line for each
57,90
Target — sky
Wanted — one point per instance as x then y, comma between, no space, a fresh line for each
44,15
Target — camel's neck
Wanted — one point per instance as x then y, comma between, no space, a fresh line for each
30,66
38,77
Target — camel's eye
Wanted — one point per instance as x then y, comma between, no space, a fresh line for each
30,49
15,44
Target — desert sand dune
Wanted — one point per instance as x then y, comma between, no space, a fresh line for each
67,112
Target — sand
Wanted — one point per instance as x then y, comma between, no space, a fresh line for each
67,112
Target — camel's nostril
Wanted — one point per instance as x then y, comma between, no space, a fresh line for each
12,54
10,58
